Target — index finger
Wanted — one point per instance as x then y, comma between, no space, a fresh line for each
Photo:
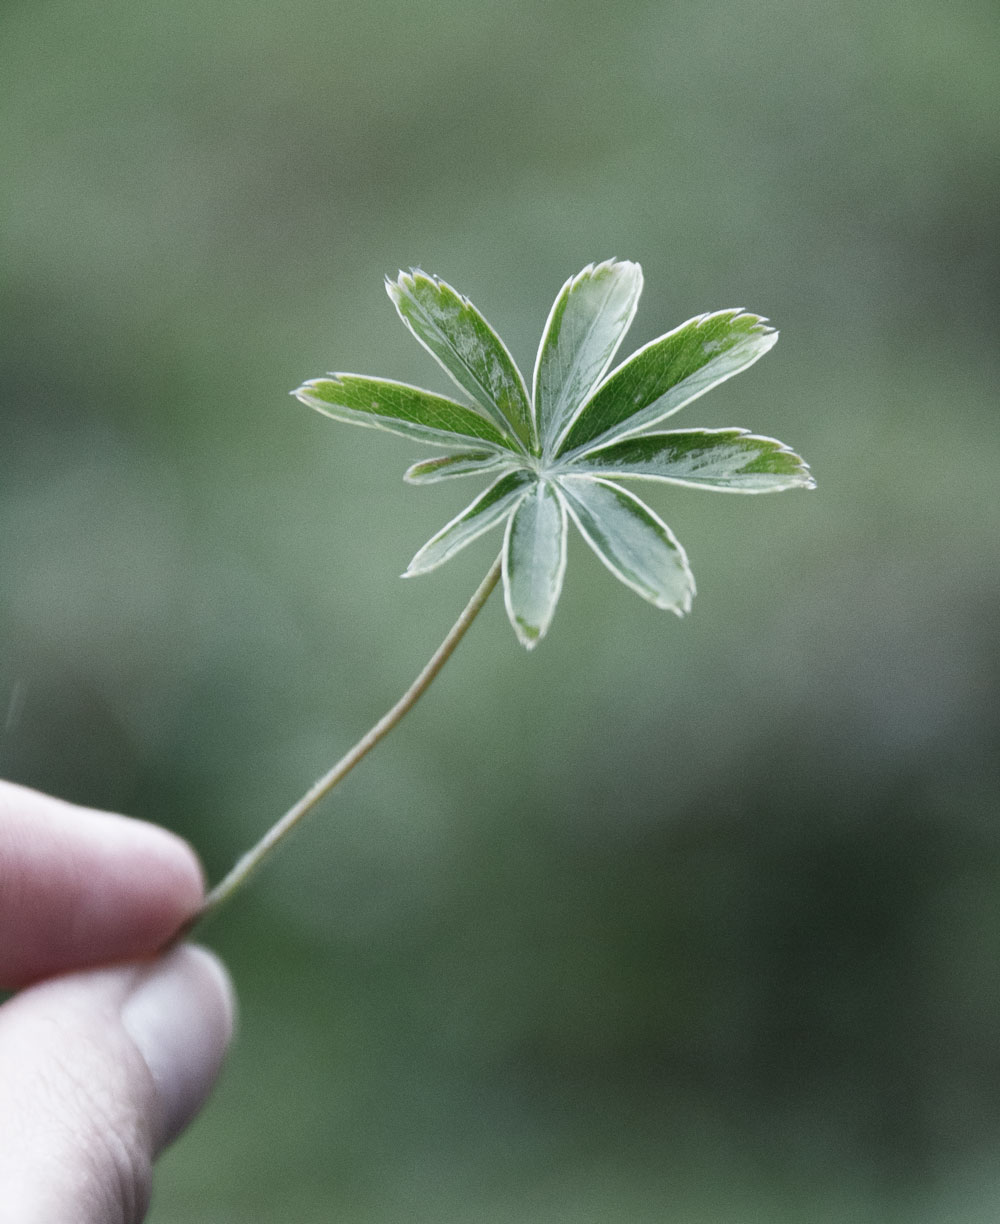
80,887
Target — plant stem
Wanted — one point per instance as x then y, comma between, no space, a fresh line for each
250,861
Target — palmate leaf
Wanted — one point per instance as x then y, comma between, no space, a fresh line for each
585,327
559,456
636,546
383,404
534,562
489,509
668,373
466,346
731,460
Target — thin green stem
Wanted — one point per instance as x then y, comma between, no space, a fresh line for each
249,862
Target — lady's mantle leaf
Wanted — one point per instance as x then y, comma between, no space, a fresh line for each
460,339
728,459
668,373
633,543
587,323
465,463
534,561
400,409
489,509
556,464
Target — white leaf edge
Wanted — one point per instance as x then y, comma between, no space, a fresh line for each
678,609
456,470
648,417
804,481
529,643
489,518
629,268
427,434
485,400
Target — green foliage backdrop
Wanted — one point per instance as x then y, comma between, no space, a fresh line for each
691,921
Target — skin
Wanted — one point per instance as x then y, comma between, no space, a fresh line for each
108,1049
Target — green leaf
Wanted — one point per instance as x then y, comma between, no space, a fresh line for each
460,339
489,509
465,463
534,561
668,373
587,323
732,460
383,404
636,546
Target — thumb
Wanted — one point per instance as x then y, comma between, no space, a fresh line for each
99,1071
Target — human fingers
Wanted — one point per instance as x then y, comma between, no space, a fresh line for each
100,1070
79,887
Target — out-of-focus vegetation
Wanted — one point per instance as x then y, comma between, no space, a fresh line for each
692,921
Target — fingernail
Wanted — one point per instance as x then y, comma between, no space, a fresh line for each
180,1016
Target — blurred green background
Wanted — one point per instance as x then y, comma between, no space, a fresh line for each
669,921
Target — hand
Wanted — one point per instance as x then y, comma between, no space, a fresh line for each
100,1068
